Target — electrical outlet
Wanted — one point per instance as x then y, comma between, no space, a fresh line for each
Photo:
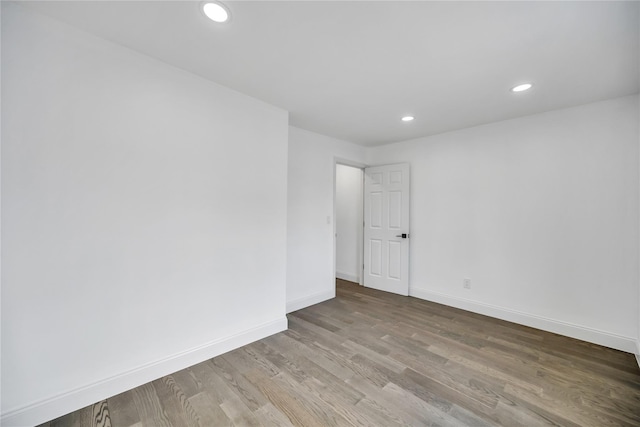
466,283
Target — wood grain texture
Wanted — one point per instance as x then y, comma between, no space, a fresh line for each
368,358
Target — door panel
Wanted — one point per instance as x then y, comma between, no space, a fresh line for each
376,210
395,260
386,207
375,264
395,210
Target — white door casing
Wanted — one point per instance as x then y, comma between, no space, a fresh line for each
386,220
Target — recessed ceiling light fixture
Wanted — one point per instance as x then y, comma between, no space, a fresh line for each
522,87
407,118
216,11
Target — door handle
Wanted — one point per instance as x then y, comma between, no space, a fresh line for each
403,235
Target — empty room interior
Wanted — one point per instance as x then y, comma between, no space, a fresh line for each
320,213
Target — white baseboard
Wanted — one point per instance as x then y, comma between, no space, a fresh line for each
638,352
63,403
347,277
301,303
595,336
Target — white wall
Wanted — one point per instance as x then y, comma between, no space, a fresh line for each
144,220
310,247
541,213
348,222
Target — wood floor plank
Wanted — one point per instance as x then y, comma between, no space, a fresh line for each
246,359
511,375
282,362
339,402
420,410
382,415
150,408
175,403
270,416
382,397
239,413
374,356
236,382
101,416
317,372
468,418
575,412
333,363
327,414
123,410
188,382
209,411
281,399
368,358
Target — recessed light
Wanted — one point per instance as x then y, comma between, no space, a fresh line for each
215,11
522,87
407,118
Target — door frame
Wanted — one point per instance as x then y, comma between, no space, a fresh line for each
346,162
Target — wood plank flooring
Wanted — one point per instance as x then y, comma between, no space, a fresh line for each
369,358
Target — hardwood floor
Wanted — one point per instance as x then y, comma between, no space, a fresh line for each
368,358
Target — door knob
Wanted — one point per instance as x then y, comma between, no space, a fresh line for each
403,235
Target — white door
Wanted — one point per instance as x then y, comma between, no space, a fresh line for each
386,228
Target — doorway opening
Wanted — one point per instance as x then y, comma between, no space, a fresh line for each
381,195
349,214
372,252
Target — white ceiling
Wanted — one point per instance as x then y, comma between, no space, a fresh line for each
351,70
